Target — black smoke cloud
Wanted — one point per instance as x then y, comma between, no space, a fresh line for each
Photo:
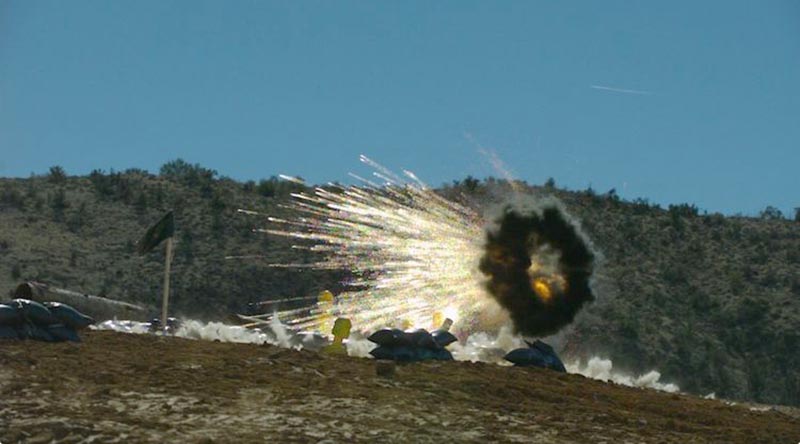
548,234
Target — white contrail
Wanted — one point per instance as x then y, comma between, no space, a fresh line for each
621,90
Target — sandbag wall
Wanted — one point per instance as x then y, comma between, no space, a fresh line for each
50,322
537,354
415,346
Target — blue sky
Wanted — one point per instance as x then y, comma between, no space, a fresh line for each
678,101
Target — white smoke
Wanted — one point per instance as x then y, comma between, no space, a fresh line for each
123,326
358,346
484,347
275,334
602,369
477,347
282,335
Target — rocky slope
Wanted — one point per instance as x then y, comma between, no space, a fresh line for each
118,387
712,302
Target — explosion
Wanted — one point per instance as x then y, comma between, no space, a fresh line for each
539,266
417,257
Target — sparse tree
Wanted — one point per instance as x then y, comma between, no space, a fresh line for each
58,202
77,218
193,176
57,175
140,205
470,184
267,187
101,182
771,213
158,196
137,172
685,210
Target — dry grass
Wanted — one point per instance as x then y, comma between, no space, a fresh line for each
116,387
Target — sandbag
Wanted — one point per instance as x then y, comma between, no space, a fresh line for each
444,338
390,338
35,332
61,332
34,312
422,338
411,354
69,316
525,356
401,353
382,352
538,354
8,332
428,354
444,355
9,316
542,347
550,355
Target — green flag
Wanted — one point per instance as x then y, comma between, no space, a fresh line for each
163,229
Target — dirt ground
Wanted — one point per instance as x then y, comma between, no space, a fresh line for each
128,388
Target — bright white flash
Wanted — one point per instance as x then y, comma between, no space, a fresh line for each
413,253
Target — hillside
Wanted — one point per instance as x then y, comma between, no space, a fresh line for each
712,302
118,387
80,233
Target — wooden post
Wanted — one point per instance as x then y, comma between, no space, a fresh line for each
165,298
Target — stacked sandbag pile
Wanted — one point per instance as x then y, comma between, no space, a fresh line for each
537,354
418,345
50,322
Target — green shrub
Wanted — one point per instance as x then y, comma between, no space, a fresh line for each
10,196
192,176
58,203
56,175
771,213
683,210
77,218
16,272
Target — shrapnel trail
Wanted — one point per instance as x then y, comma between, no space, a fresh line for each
413,254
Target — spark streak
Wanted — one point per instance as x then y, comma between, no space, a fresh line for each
412,252
415,254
